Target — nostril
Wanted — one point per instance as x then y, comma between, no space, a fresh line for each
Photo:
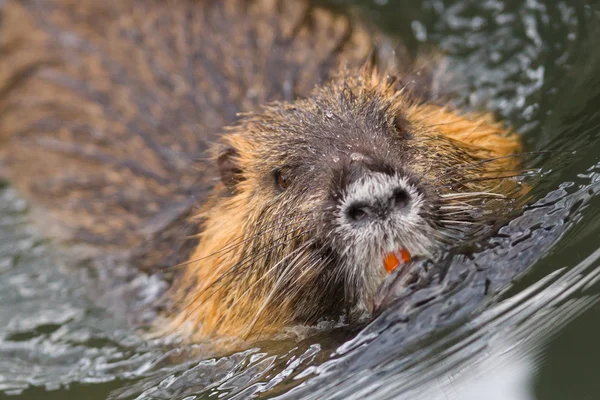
358,212
400,199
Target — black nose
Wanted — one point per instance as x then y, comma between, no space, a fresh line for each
378,208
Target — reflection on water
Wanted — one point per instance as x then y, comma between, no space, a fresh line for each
480,328
500,375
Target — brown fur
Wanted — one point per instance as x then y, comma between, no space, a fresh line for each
217,304
108,110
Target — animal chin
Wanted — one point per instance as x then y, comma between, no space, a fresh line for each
383,266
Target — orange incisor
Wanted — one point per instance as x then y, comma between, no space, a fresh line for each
391,261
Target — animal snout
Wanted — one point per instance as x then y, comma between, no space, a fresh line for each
379,206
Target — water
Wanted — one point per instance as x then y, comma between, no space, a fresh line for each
518,320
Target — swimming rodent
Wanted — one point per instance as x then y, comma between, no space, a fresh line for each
275,150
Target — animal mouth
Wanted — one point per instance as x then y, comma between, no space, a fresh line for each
393,260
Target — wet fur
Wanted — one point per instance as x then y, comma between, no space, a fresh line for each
274,273
108,112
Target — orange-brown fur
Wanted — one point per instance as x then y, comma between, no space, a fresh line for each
115,154
211,307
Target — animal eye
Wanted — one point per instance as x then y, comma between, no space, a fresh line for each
281,178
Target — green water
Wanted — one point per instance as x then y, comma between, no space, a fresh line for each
532,335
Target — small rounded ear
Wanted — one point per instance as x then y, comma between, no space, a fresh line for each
403,127
228,167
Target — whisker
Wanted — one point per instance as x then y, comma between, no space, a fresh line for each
232,246
294,285
232,273
279,242
486,179
477,126
277,265
267,300
462,212
456,207
462,195
488,160
247,291
448,221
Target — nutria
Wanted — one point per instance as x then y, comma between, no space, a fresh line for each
276,151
